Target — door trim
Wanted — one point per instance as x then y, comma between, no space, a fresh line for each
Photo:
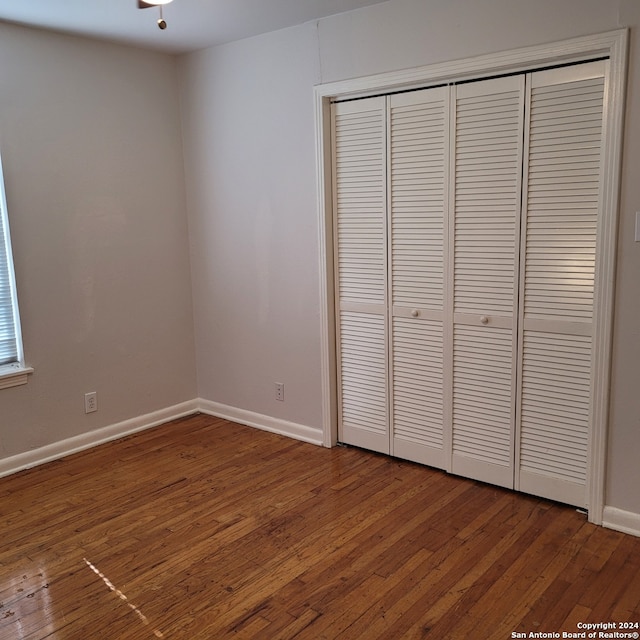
612,44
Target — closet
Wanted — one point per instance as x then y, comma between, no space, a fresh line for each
465,233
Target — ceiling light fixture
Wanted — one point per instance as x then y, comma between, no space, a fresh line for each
146,4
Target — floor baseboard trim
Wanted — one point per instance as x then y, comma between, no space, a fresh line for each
620,520
90,439
261,421
612,517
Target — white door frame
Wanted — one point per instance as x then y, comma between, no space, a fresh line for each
613,45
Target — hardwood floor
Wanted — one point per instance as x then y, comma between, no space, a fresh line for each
204,529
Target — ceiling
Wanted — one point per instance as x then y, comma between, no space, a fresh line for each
192,24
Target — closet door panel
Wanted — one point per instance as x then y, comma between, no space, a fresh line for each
359,179
418,150
554,415
418,146
559,246
487,170
417,390
482,404
363,406
488,145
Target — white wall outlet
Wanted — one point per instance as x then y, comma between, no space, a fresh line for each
280,391
91,402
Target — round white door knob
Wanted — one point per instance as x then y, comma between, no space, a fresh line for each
484,319
415,313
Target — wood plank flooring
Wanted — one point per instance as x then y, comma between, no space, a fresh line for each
205,529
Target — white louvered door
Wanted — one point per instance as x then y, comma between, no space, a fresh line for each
360,168
560,215
418,150
487,169
465,238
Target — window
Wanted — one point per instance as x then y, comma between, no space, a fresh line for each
12,369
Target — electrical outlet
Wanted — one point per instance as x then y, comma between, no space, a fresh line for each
91,402
280,391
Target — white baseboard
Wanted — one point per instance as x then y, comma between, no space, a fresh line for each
620,520
90,439
612,517
260,421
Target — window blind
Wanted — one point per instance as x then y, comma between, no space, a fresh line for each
9,327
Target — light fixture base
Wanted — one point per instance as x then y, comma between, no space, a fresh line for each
147,4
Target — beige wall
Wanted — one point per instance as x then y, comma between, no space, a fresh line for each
92,153
624,428
248,120
250,169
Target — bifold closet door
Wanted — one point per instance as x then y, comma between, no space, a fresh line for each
483,276
360,223
465,230
560,216
418,150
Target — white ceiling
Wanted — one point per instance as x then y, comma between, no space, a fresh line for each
192,24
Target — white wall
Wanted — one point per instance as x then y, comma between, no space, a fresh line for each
92,153
624,435
249,128
248,118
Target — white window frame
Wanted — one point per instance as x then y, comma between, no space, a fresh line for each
14,373
613,45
